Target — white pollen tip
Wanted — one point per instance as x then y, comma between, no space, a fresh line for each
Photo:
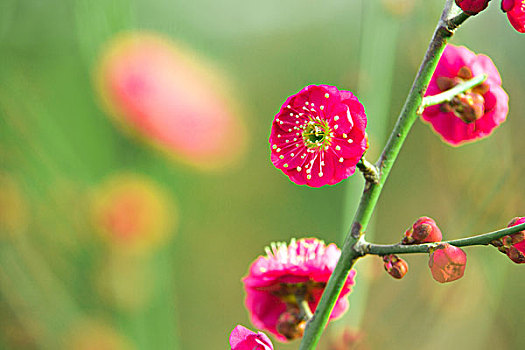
321,107
338,148
291,114
306,103
320,174
345,136
278,135
278,150
326,95
285,165
336,126
274,146
336,118
341,160
308,176
281,157
299,168
292,154
350,140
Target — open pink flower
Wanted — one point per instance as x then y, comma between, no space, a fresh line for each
241,338
515,12
279,285
471,115
318,136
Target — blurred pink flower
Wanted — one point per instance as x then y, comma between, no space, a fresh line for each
171,98
515,12
318,136
288,275
241,338
133,214
447,263
471,115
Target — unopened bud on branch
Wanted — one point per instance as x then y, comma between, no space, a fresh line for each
395,266
447,263
424,230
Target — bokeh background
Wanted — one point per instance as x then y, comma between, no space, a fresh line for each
121,235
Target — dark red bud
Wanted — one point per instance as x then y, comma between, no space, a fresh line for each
395,266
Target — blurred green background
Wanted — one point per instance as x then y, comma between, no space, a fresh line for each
64,286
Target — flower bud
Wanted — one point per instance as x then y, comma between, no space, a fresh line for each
507,5
395,266
424,230
447,263
291,324
513,245
472,7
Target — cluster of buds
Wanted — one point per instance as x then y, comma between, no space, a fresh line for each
513,245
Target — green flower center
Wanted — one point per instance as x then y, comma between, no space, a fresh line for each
317,134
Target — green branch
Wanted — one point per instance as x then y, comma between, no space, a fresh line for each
483,239
447,96
449,21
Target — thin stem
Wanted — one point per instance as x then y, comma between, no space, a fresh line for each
449,21
483,239
447,96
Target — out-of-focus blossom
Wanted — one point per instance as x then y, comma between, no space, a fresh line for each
241,338
395,266
172,98
447,263
473,114
424,230
513,245
515,10
133,214
318,136
348,339
279,285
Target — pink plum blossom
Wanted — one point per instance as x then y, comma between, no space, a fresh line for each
515,12
241,338
318,136
288,276
471,115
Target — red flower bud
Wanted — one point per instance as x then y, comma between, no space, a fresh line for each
513,245
447,263
472,7
291,324
424,230
395,266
